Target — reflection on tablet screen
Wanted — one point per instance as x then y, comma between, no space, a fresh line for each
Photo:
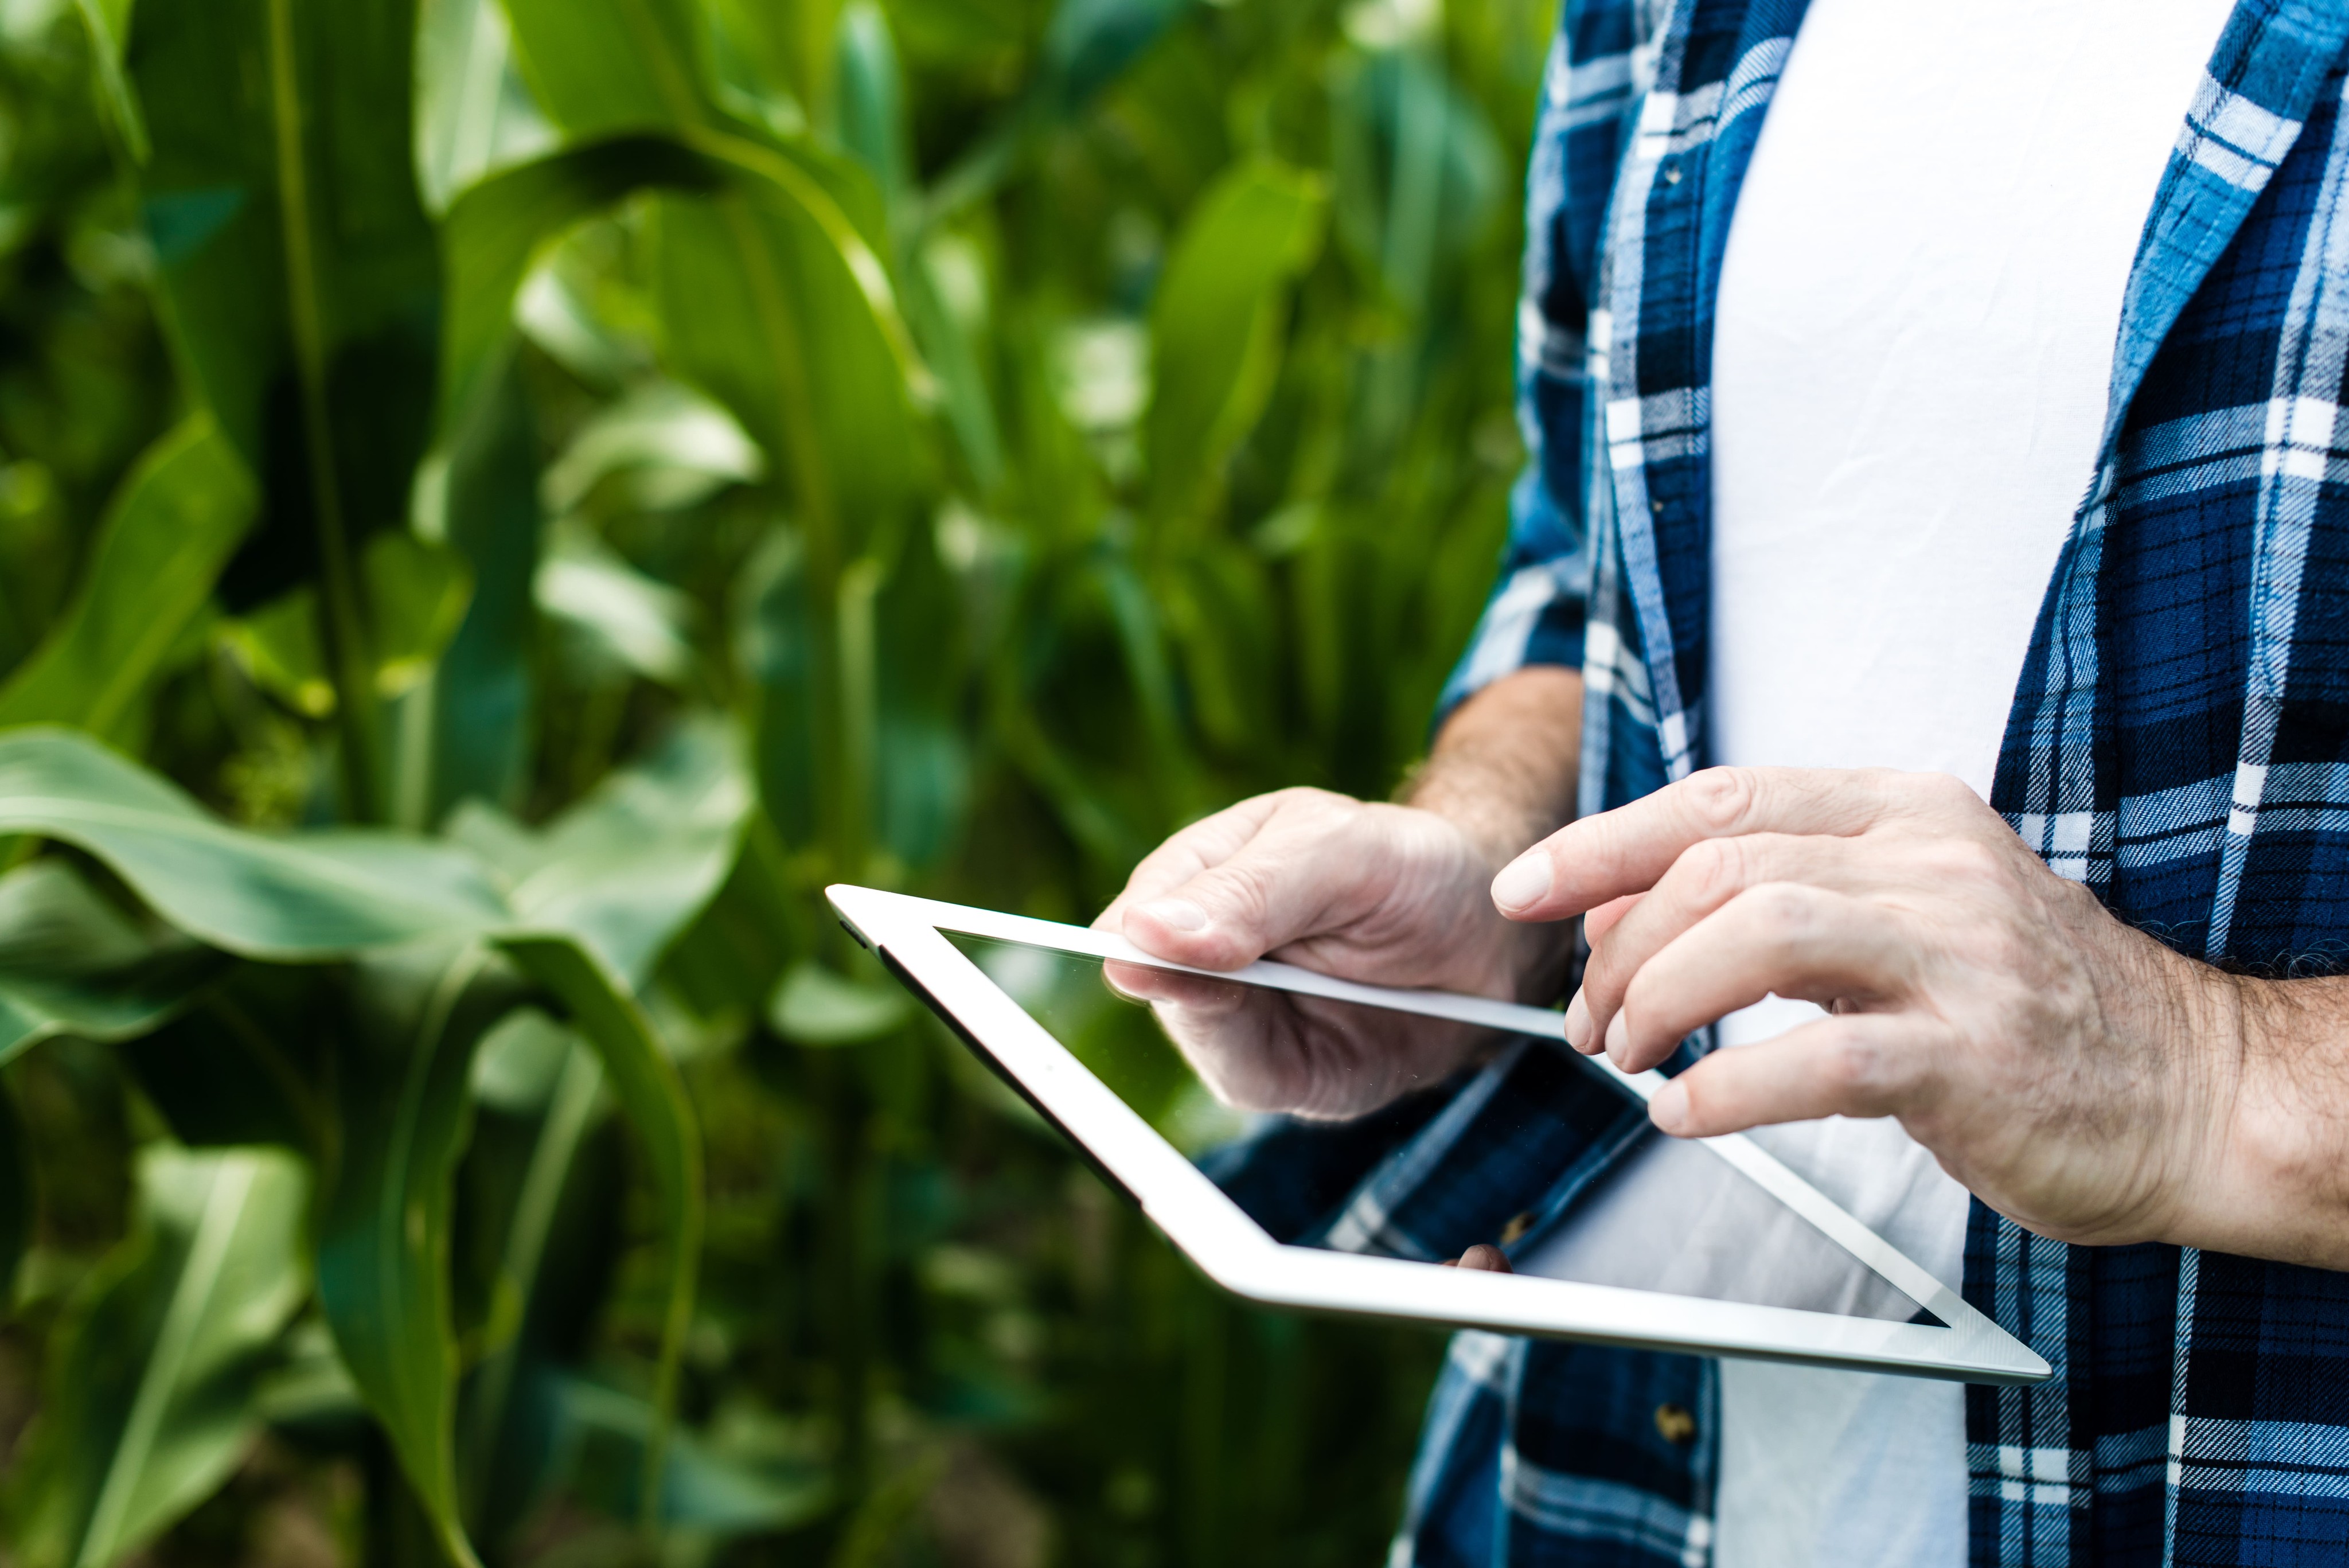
1226,1071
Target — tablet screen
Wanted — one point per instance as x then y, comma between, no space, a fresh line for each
1291,1103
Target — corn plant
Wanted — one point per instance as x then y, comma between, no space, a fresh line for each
501,502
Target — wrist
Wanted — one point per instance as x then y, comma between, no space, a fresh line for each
1506,764
2275,1182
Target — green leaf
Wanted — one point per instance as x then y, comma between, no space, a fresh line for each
172,526
277,646
678,449
502,1437
787,51
296,897
814,1006
71,963
152,1383
404,1059
1216,322
629,619
17,1213
705,1492
631,864
780,311
611,64
109,22
473,112
481,696
302,283
1090,42
498,229
646,1083
869,102
416,592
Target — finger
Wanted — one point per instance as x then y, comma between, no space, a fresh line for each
1704,878
1604,919
1146,983
1783,937
1627,850
1858,1065
1299,872
1188,852
1580,1032
1482,1256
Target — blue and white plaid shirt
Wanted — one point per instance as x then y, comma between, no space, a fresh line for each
2179,743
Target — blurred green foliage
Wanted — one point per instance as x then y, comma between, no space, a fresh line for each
500,500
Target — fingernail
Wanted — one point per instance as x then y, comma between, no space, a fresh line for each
1577,1022
1618,1038
1521,882
1177,914
1670,1109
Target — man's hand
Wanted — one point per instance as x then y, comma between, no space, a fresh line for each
1262,1050
1362,890
2076,1075
1391,894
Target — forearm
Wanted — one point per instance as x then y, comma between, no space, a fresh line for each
1503,767
1504,770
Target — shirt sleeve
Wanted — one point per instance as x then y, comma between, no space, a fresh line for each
1536,611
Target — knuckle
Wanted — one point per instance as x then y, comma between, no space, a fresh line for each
1948,789
1725,799
1859,1064
1311,797
1714,869
1964,862
1789,909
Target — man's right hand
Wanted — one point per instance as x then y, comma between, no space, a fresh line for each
1392,895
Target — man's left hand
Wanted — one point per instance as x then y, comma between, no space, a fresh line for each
2074,1073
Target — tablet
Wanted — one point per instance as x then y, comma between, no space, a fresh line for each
1165,1077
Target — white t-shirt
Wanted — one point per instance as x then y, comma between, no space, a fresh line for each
1916,324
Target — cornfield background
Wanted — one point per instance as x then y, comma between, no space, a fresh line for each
499,504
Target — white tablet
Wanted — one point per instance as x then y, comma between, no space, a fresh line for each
1151,1092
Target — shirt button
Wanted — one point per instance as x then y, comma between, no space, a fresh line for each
1674,1424
1517,1226
1671,170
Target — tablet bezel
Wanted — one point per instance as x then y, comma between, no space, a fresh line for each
1235,1253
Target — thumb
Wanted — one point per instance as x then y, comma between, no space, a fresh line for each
1230,915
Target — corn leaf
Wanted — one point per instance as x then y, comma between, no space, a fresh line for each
302,279
71,963
599,65
16,1203
473,112
647,1082
109,22
406,1058
629,867
479,736
172,526
295,897
1216,322
151,1389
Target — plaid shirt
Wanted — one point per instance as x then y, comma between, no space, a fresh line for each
2179,743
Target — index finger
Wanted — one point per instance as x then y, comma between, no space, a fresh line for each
1617,853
